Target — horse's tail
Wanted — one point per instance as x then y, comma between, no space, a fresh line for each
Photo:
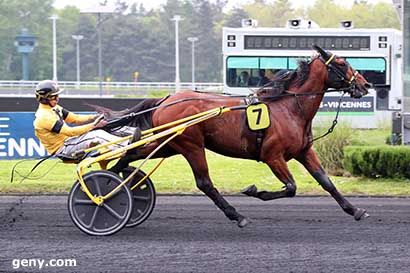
144,121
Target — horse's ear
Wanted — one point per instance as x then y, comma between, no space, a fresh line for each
323,53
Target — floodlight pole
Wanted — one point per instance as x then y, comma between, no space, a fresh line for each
193,40
406,72
176,19
99,11
54,18
78,38
99,53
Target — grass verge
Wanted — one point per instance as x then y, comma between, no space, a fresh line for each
174,176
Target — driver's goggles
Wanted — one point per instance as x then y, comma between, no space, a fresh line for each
54,97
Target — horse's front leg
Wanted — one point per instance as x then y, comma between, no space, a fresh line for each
312,164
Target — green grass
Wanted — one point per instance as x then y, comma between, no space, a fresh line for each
370,137
175,176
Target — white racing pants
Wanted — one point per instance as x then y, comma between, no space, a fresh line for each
93,138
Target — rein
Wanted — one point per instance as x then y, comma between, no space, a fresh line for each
297,95
334,123
278,96
286,93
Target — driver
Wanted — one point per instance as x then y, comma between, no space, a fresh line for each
50,124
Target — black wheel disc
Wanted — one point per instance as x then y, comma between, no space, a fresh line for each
144,197
108,218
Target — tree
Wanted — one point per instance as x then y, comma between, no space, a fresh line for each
270,15
326,13
30,14
234,17
144,40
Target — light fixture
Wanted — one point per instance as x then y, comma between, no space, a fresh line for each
346,24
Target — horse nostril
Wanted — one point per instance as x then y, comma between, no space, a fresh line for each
368,85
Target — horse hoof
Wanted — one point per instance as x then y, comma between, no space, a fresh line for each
360,214
250,190
244,222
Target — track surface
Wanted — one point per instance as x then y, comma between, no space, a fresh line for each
188,234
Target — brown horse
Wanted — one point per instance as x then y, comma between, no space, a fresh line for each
288,137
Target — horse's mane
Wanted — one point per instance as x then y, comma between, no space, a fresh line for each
284,79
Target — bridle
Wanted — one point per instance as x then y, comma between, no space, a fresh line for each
341,74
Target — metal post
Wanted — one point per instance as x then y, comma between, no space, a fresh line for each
193,40
25,63
78,38
101,9
406,72
99,54
54,18
177,18
25,44
406,49
78,62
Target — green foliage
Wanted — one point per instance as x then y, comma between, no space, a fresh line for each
330,148
370,137
378,161
364,15
143,40
270,15
30,14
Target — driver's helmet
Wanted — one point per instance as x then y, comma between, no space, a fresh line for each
46,89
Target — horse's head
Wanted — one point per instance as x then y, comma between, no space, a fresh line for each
342,76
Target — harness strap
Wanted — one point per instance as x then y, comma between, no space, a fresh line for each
353,77
251,99
330,59
260,135
334,123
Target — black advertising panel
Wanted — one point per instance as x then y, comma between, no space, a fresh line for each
263,42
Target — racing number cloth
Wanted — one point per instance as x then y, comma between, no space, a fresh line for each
257,116
51,129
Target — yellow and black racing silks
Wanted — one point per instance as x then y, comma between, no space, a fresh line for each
51,128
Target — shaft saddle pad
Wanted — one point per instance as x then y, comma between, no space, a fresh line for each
258,116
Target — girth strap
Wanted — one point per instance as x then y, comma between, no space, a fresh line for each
259,134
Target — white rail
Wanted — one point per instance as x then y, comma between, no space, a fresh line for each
119,85
112,89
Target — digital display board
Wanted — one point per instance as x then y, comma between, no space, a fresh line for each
306,42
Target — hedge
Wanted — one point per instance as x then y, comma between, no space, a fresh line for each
378,161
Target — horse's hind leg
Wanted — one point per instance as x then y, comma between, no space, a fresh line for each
197,160
312,164
280,168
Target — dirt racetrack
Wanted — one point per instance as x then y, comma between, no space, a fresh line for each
189,234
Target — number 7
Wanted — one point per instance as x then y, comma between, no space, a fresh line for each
258,119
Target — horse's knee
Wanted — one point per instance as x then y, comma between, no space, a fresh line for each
204,185
290,190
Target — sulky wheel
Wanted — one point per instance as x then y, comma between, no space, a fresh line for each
111,215
144,197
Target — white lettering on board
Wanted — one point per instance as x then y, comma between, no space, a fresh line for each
21,147
3,147
33,145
